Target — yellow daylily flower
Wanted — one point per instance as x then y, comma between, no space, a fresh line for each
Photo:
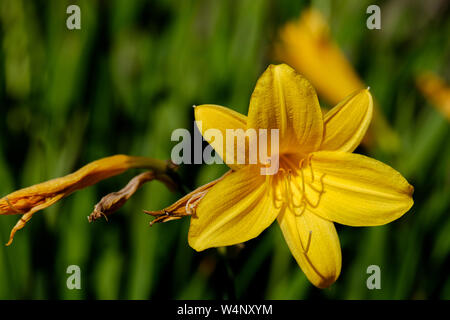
320,180
307,46
436,91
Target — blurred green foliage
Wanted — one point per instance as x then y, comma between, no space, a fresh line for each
129,77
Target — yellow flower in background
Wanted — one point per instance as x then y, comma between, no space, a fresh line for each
307,46
436,91
30,200
320,180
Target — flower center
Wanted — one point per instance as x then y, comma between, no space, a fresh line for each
295,186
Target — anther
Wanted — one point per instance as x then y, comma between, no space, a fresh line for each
303,208
321,185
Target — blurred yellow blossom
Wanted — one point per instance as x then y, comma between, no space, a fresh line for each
436,91
306,45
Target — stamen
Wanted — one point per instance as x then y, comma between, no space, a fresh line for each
304,199
278,199
274,201
287,194
291,195
309,163
275,198
269,188
268,182
303,208
270,192
291,204
302,195
308,243
288,191
321,191
303,181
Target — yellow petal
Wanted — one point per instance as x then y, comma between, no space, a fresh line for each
233,211
221,118
346,124
307,46
358,190
314,243
285,100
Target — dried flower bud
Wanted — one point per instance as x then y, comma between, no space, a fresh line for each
29,200
115,200
185,206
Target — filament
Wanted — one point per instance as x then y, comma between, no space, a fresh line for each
308,243
304,199
287,195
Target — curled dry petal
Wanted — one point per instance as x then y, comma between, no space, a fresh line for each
29,200
115,200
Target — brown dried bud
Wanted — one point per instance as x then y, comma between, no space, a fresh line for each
115,200
29,200
185,206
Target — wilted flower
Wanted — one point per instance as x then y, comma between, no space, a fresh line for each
29,200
